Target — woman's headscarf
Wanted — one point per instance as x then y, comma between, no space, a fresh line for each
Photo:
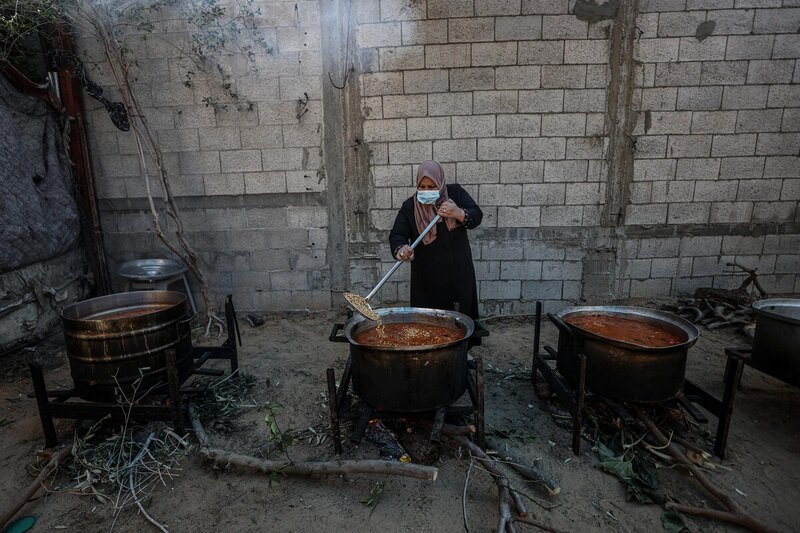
424,213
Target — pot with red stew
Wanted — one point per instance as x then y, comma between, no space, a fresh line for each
415,360
632,353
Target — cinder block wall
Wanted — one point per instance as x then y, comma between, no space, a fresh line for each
630,149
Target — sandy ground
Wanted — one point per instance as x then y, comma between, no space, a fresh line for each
289,355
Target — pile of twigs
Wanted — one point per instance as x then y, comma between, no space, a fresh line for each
123,469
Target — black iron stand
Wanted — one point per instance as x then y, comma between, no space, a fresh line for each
170,409
340,406
574,399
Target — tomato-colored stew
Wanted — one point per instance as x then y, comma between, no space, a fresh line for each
407,334
625,329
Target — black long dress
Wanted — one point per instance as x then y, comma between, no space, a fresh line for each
442,274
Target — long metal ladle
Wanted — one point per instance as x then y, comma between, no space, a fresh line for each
361,304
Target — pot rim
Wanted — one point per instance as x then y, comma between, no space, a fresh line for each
760,308
461,318
684,325
119,301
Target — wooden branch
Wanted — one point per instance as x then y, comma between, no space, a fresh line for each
49,468
309,468
732,513
321,468
530,473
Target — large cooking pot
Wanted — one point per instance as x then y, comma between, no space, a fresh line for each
408,379
113,341
776,346
624,371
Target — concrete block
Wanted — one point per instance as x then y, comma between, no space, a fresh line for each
715,191
563,171
699,98
518,28
392,10
731,212
473,126
500,290
380,34
723,73
665,247
774,211
597,76
504,53
518,125
118,166
680,24
541,101
380,83
650,288
487,270
672,191
646,214
449,8
521,171
224,184
664,122
409,152
732,21
241,161
541,52
697,169
585,193
559,215
740,244
652,146
659,99
681,146
700,246
563,27
786,46
455,150
763,189
562,270
638,268
782,167
709,49
788,264
734,168
402,58
299,38
425,81
393,176
758,121
273,137
584,100
654,169
200,162
678,74
784,96
664,267
563,124
785,20
563,76
585,148
178,140
544,194
587,51
447,55
770,71
734,145
307,134
444,104
384,130
791,120
429,128
470,30
378,153
542,290
640,192
544,148
778,144
263,182
424,32
657,50
545,7
501,250
283,158
521,270
749,47
478,172
499,149
688,213
472,79
496,7
194,116
405,106
500,194
304,181
486,102
516,77
307,217
745,97
714,122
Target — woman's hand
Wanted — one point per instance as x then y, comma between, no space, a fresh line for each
449,209
405,253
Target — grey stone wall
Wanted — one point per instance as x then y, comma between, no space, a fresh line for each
615,153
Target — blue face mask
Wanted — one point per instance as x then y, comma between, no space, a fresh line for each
427,197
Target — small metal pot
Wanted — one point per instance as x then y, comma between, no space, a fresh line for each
624,371
776,346
408,379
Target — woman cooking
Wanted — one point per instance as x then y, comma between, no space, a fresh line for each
442,275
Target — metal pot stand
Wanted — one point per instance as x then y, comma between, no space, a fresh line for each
341,404
54,404
574,398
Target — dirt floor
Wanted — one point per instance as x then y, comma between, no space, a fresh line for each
288,356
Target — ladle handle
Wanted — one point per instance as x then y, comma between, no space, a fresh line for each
392,270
